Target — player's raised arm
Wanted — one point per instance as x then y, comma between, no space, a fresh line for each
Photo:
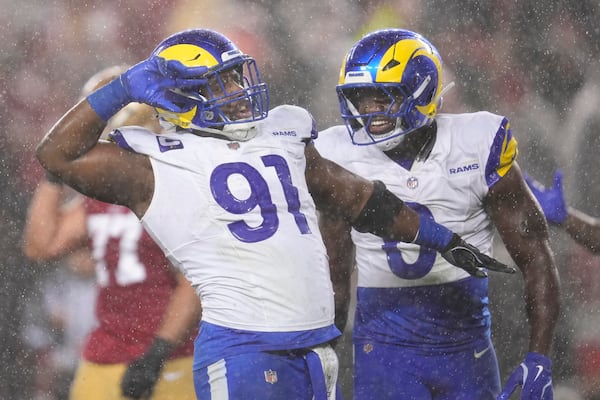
71,150
53,227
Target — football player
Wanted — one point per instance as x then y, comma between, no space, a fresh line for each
422,327
227,191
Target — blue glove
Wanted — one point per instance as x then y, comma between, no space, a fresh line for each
534,375
151,82
552,200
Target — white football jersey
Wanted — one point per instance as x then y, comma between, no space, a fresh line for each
238,220
470,154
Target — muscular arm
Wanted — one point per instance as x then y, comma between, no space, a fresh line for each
523,229
182,314
339,192
340,249
51,229
583,228
71,151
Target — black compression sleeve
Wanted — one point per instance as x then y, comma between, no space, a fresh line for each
379,212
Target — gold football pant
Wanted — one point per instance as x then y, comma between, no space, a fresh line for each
103,381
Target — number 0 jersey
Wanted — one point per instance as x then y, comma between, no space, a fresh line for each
135,283
238,219
471,153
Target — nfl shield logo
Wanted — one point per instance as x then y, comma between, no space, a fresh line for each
271,376
412,183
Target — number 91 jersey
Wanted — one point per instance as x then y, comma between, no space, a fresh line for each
237,218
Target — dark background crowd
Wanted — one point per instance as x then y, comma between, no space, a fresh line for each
536,62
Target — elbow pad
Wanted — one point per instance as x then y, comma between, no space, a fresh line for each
378,214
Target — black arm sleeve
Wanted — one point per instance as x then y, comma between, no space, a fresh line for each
379,212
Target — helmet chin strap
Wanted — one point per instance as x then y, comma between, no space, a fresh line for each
239,132
444,90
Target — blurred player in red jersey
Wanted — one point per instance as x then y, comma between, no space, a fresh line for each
147,311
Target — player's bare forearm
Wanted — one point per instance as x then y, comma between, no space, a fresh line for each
51,230
542,299
584,229
182,314
524,231
340,250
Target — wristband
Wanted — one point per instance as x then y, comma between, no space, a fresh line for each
109,99
160,348
433,235
53,179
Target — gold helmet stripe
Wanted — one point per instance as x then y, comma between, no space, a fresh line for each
189,55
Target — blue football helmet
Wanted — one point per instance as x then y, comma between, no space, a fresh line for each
401,67
204,47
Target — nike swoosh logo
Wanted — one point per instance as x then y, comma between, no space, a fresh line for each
479,354
539,372
172,376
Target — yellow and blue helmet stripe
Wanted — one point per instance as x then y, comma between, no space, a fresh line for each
205,47
392,60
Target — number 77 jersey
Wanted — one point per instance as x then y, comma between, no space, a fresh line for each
238,219
135,283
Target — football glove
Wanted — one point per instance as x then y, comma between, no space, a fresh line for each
468,257
154,82
53,179
534,375
142,373
552,200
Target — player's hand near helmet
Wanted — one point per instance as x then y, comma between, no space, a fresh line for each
468,257
534,375
552,200
151,82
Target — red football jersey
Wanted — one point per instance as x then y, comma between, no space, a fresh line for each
135,282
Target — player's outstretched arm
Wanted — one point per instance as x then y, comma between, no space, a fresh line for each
583,228
370,207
